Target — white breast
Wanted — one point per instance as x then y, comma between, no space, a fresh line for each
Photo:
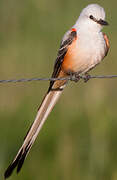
91,50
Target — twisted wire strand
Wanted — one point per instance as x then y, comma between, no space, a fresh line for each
72,78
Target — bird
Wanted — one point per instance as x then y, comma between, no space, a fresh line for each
82,47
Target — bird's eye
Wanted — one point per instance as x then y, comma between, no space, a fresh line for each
91,17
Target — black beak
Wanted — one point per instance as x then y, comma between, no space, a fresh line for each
102,22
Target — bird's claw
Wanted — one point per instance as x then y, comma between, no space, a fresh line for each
75,77
86,77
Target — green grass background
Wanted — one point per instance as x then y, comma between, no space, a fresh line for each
79,139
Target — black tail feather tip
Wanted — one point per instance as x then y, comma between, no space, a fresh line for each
18,162
13,165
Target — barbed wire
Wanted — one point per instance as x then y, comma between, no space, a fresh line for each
71,78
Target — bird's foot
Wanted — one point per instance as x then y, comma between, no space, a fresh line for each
86,77
75,77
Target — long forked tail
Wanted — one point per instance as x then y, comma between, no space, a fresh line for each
45,108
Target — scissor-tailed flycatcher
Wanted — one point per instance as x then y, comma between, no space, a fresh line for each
82,48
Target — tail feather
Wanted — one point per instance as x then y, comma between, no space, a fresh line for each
13,165
18,161
45,108
22,157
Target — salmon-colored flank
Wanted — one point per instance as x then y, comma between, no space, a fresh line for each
106,40
68,62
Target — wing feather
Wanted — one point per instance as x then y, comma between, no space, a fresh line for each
71,35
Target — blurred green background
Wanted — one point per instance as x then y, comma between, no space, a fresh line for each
79,139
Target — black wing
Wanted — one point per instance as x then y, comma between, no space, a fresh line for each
60,56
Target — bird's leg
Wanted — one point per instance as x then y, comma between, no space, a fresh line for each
74,76
86,77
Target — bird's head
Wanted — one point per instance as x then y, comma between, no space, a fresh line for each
92,17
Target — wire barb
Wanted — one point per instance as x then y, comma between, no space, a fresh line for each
71,78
